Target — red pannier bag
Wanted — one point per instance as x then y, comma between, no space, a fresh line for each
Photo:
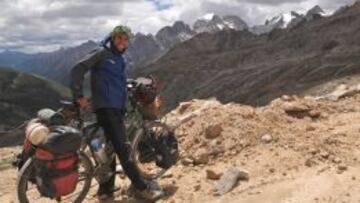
56,174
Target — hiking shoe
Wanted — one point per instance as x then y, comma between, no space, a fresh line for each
152,193
105,196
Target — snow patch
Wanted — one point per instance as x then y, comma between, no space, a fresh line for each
221,27
207,16
230,24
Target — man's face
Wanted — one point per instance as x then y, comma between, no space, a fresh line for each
121,42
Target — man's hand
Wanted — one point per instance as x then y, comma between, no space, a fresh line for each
83,102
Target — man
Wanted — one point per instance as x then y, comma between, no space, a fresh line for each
108,89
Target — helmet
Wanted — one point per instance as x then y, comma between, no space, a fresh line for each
120,30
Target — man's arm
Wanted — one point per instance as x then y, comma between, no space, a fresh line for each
80,69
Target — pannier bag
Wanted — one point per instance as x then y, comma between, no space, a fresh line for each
163,149
56,162
62,140
56,175
167,150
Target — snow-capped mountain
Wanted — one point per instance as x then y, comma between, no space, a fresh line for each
283,20
213,23
315,12
147,48
168,36
288,20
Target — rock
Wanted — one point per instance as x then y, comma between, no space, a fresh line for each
337,160
229,180
243,174
324,155
314,114
216,150
310,128
256,192
342,167
187,161
311,98
183,107
295,107
201,157
197,187
314,151
213,131
168,174
267,138
272,170
310,162
287,98
343,91
212,175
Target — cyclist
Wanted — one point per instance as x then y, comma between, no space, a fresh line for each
108,90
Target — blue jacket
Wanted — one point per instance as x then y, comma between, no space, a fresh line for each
108,77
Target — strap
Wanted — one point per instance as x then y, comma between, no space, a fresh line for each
51,172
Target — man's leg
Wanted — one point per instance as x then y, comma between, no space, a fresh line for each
112,122
107,188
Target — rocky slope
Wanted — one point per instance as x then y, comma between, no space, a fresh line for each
21,95
296,149
242,67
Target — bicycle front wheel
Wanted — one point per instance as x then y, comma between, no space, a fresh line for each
143,150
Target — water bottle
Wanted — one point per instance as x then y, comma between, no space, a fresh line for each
98,147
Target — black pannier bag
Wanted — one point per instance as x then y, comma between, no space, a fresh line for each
167,147
162,149
62,140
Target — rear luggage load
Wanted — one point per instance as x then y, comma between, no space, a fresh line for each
56,162
54,150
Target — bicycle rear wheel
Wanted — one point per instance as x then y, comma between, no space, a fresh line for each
27,191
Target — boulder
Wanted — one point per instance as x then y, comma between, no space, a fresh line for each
229,180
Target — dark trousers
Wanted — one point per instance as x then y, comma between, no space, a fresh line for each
111,120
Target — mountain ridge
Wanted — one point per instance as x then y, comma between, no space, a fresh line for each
260,67
144,48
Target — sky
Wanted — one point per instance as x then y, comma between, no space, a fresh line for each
46,25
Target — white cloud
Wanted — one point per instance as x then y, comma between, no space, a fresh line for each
42,25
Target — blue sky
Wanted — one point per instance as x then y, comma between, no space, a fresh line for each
161,5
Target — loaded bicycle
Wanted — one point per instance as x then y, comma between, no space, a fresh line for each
153,150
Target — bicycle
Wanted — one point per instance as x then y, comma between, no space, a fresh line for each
144,135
